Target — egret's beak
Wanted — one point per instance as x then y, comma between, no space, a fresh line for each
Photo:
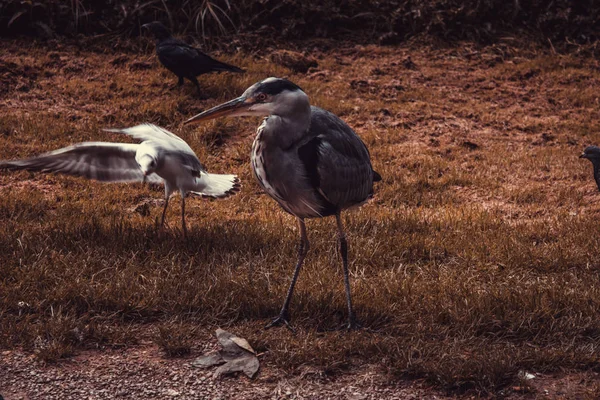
231,108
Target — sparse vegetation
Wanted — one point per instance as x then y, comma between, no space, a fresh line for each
562,22
477,258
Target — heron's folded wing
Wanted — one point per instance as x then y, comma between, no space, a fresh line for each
337,162
107,162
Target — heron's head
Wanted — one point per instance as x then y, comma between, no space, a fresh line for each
592,153
147,164
158,30
272,96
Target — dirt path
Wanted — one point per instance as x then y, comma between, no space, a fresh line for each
144,373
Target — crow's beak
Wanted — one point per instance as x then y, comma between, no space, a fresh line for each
583,155
231,108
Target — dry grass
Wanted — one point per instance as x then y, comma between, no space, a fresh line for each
477,258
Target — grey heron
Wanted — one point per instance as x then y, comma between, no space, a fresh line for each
161,157
592,153
182,59
307,159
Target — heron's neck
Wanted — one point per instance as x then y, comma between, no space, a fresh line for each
285,129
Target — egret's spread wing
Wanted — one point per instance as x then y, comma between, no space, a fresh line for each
337,162
187,159
145,132
107,162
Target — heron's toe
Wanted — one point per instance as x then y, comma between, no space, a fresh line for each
282,319
353,324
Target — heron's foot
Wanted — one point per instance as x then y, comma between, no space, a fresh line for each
353,324
162,234
162,230
282,319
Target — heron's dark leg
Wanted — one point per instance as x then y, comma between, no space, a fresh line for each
352,324
284,317
183,214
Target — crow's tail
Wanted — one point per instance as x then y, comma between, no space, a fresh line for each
221,66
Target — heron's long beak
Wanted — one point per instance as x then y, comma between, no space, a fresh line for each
231,108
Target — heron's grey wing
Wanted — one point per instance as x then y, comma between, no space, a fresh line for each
336,160
145,132
107,162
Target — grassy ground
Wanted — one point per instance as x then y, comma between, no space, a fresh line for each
477,258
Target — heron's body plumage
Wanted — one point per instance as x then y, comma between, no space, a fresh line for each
326,170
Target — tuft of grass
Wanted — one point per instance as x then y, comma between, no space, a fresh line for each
174,338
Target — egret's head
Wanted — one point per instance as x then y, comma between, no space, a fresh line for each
272,96
592,153
158,30
147,164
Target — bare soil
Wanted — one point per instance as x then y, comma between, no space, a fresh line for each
145,373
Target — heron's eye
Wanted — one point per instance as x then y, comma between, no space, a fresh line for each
261,97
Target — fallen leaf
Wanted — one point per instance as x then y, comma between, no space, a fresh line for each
236,356
243,343
247,364
208,360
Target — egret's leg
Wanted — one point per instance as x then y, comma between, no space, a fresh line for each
164,213
284,317
183,214
352,324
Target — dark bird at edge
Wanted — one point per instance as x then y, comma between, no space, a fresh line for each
184,60
592,153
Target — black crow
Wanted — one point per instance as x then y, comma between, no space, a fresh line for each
182,59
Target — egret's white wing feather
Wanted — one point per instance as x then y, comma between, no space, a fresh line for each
107,162
145,132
